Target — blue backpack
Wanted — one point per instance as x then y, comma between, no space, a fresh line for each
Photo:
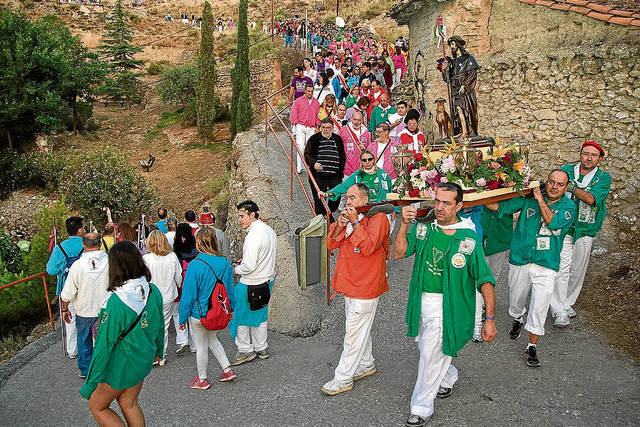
69,260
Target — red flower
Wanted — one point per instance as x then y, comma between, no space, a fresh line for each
437,179
507,157
414,192
493,184
418,156
410,167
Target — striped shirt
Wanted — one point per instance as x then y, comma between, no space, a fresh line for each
328,156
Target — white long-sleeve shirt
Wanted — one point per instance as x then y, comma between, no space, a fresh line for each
258,254
166,274
87,282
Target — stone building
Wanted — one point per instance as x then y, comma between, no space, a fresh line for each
557,76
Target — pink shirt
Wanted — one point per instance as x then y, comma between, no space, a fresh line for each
305,112
399,62
351,149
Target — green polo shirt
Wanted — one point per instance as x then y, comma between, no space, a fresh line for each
589,218
123,364
535,242
464,270
378,115
437,246
497,232
379,184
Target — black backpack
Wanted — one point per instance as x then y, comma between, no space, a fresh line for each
69,260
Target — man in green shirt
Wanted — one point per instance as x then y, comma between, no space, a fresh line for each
380,114
448,268
589,187
535,255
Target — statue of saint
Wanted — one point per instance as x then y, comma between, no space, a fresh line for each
461,74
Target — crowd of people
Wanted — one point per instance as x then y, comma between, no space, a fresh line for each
119,291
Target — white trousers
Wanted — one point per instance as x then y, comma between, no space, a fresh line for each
205,340
182,336
250,338
496,263
539,280
434,368
396,77
357,346
70,336
303,134
574,260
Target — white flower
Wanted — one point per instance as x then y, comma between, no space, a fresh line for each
448,164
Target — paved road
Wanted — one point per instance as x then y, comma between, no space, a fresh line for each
582,381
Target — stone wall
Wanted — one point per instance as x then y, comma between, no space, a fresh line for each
265,79
556,78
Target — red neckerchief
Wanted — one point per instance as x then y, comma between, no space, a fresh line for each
343,82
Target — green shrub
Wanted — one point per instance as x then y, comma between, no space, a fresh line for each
153,11
193,33
189,116
10,254
21,306
49,169
36,259
213,186
221,200
178,84
16,171
154,69
106,178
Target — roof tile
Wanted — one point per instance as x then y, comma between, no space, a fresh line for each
635,22
529,1
599,7
578,2
621,12
546,3
580,9
561,6
600,16
620,20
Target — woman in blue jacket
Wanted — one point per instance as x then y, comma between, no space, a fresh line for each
197,287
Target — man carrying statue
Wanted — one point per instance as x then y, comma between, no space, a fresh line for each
461,75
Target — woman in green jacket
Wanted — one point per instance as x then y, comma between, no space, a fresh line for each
130,337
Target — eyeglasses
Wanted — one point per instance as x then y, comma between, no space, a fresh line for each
368,159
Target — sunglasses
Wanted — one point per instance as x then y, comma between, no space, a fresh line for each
368,159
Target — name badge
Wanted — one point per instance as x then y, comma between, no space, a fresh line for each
543,243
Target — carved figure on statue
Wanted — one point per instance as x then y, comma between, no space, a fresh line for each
442,118
461,76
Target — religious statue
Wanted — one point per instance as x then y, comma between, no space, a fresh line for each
461,74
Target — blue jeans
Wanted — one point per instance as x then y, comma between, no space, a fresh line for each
288,41
85,342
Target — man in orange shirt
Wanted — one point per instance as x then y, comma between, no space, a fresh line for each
360,275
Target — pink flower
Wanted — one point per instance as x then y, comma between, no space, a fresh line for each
448,164
511,183
494,165
414,172
431,174
422,168
444,179
481,182
424,175
430,193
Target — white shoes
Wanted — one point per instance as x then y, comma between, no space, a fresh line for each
364,372
571,313
561,320
333,387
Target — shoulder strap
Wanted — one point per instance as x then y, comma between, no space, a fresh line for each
133,325
210,268
104,243
383,151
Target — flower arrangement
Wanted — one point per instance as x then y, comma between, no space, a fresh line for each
502,166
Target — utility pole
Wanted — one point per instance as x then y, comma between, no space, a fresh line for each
273,23
337,8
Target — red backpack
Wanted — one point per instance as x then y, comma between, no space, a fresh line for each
219,309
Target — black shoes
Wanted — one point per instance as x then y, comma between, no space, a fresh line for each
516,328
444,392
531,356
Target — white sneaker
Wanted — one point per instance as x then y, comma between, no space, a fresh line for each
571,313
362,372
477,332
333,387
561,321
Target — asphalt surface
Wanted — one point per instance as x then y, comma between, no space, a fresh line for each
581,382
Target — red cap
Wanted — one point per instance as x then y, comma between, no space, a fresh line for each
594,144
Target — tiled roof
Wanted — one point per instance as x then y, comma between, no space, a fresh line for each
596,10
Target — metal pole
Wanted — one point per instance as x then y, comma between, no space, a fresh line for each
306,29
266,119
337,8
273,23
46,295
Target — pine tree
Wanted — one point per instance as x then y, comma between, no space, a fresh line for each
123,83
205,91
245,113
240,73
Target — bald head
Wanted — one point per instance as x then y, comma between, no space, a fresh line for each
91,242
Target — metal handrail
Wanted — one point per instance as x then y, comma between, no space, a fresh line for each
293,171
46,292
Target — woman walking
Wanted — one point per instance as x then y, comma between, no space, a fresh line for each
199,282
166,273
184,246
129,339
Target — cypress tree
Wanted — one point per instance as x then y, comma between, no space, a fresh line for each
122,84
205,91
245,113
240,73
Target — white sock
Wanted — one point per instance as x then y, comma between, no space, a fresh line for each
530,345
